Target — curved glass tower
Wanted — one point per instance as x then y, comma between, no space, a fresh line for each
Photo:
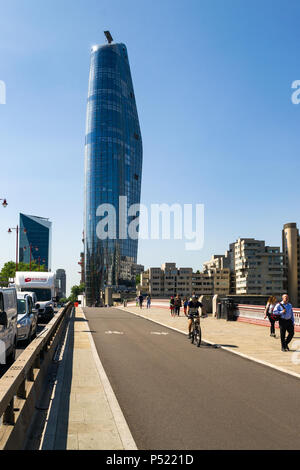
113,166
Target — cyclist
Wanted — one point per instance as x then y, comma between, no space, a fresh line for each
193,311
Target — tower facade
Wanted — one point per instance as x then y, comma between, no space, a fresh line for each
113,168
35,240
62,278
290,248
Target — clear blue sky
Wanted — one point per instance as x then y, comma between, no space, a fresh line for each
212,80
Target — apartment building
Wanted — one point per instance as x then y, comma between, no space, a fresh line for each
218,267
170,280
258,268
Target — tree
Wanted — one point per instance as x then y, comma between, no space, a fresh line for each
137,279
76,291
9,270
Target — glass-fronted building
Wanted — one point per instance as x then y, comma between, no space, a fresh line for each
35,237
61,278
113,165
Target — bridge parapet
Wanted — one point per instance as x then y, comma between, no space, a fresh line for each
21,385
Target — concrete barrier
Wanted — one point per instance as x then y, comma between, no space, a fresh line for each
22,384
255,314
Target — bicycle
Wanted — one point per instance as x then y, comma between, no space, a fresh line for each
196,331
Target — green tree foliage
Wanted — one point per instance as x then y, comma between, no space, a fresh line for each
9,270
75,292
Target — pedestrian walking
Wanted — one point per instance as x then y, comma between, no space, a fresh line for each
141,300
286,321
172,306
185,305
148,301
177,304
272,301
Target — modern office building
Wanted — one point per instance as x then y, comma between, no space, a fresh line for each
61,279
35,240
290,248
113,166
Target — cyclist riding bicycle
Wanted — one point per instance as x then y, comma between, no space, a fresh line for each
193,311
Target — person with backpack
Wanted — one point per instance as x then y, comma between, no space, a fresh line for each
272,301
286,321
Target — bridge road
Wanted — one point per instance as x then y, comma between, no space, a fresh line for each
176,396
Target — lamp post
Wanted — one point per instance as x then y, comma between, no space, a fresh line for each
30,248
4,203
17,241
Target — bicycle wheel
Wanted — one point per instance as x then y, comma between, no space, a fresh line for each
193,335
198,341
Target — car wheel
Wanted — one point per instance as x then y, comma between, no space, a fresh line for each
12,356
28,341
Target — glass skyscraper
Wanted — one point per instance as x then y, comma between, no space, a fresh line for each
35,237
113,165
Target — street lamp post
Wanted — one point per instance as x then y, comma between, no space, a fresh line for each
30,248
17,241
43,261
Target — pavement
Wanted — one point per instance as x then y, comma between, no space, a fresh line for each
248,340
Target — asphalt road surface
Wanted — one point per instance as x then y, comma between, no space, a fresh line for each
176,396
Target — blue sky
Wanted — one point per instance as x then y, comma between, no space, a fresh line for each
213,87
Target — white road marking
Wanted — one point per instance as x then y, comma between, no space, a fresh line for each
246,356
114,332
158,333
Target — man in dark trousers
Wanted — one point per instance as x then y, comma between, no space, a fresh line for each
286,321
177,304
141,300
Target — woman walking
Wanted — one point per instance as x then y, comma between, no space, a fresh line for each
172,306
185,305
272,301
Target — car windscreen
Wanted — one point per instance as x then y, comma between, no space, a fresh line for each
21,306
42,294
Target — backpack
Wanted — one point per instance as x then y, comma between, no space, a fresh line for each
276,316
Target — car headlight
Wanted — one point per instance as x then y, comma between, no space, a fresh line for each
22,322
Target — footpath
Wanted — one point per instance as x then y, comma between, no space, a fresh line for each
247,340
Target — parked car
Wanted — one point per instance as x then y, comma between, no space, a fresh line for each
27,317
8,325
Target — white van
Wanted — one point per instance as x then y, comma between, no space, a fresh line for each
8,325
43,285
27,317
